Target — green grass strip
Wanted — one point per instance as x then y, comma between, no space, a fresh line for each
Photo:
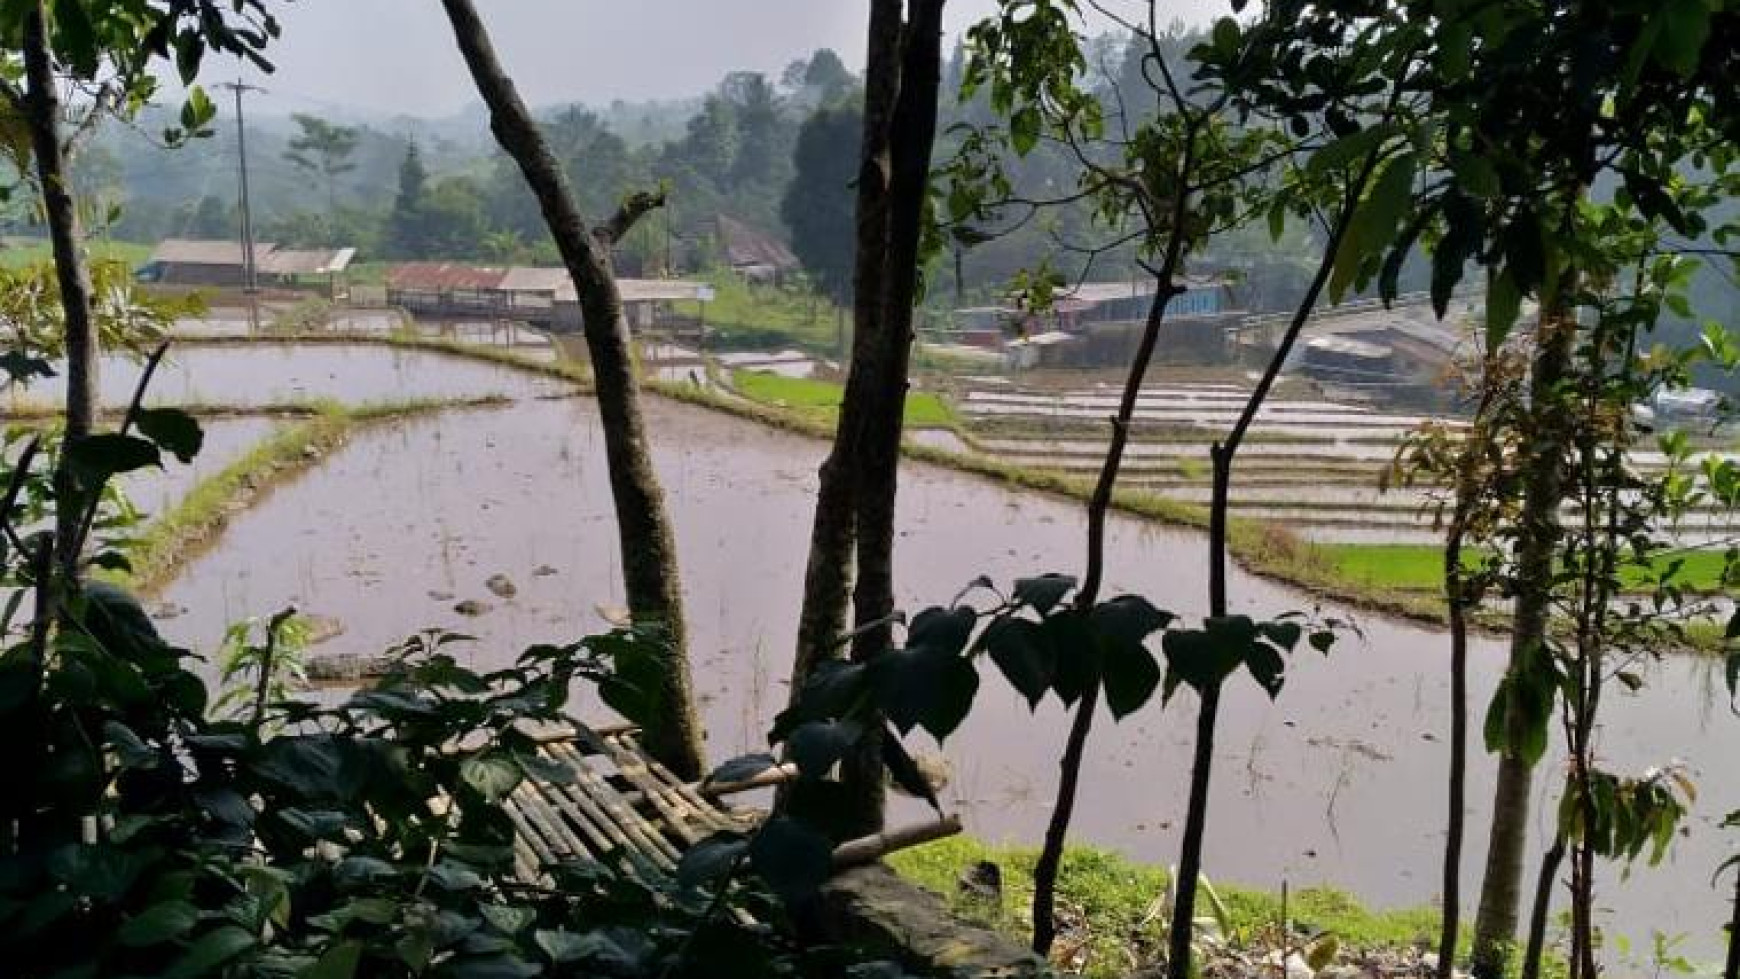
1116,894
822,398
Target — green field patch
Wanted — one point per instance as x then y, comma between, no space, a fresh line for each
822,398
1118,896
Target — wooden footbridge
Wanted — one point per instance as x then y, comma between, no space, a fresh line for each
615,804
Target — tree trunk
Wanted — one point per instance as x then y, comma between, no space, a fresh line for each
1733,969
1222,455
828,575
1045,869
1537,538
855,505
911,137
1458,601
1537,943
649,560
42,109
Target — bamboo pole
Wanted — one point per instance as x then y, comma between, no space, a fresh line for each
869,849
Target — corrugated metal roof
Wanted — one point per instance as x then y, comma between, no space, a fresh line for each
304,261
443,277
1101,292
531,279
190,251
747,246
648,291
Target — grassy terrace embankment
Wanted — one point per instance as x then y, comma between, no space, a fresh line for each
821,399
1113,899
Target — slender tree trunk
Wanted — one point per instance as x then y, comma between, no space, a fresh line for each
1455,827
649,560
1222,455
1538,533
912,134
42,109
1733,968
1458,601
1050,860
855,504
828,574
1537,940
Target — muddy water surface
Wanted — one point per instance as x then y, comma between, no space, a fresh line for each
1339,783
265,373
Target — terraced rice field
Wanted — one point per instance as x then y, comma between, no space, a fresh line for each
1313,465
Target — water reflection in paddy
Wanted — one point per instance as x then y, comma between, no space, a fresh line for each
1339,783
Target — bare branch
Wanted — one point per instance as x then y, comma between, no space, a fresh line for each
637,206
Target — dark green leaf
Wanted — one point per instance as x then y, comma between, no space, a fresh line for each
1503,305
945,630
792,858
1128,620
1130,675
1022,651
1044,592
173,430
741,769
711,859
159,923
339,962
1024,128
1267,667
97,457
905,771
490,776
818,745
924,686
210,951
21,368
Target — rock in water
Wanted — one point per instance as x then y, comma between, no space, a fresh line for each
472,607
501,586
322,628
345,667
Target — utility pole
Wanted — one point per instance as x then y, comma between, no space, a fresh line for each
250,271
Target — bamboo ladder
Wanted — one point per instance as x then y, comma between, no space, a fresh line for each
615,804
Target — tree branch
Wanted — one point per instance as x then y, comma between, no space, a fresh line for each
635,207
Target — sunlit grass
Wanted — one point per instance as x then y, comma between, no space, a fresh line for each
822,398
1115,896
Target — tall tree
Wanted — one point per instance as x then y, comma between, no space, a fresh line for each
853,527
649,560
407,225
107,51
761,143
323,149
818,202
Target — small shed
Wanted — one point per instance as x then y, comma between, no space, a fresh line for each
532,290
221,264
752,253
447,289
644,301
1345,360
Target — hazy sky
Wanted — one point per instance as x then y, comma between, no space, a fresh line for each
398,55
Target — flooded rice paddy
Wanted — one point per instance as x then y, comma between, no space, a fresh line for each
1339,783
257,375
